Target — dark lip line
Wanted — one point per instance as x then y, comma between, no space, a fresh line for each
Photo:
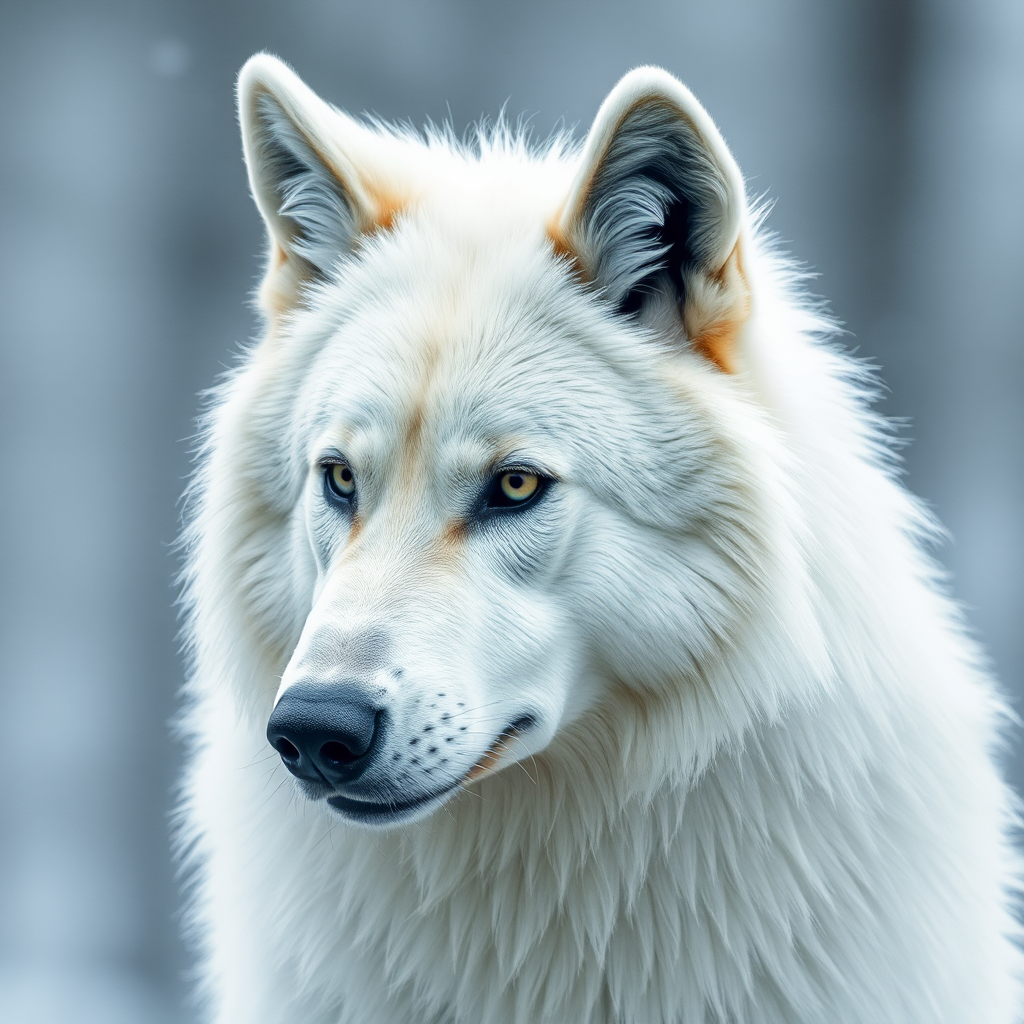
365,809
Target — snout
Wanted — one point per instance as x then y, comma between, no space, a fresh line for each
326,733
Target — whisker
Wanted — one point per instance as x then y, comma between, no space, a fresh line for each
474,710
266,757
522,764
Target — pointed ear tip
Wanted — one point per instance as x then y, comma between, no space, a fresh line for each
262,72
651,75
649,82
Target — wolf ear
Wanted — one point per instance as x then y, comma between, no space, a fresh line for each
300,155
654,214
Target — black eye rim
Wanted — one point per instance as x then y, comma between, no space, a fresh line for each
330,491
495,501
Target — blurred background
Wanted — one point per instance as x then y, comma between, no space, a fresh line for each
891,133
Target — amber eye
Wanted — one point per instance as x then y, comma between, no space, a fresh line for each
341,480
518,486
514,488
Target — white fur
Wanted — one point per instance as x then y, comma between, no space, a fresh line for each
760,787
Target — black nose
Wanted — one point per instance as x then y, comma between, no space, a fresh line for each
325,732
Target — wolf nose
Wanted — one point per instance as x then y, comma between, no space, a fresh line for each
325,732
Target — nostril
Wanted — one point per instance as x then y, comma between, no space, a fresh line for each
287,749
337,753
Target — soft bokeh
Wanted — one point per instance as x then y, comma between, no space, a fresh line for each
891,133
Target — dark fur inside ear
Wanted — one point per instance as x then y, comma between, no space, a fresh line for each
668,246
315,212
653,207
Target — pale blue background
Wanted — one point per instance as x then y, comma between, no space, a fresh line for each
890,131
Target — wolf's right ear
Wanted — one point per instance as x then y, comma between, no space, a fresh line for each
302,158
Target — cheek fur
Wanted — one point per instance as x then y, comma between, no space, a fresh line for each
527,547
691,597
328,527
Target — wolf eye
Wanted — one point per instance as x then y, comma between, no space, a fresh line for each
519,486
514,488
340,480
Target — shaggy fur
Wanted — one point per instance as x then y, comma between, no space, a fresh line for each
696,735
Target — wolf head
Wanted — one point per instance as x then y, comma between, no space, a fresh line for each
494,486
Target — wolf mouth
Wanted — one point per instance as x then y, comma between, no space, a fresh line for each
393,811
387,811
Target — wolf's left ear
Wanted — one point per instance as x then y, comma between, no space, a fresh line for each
305,161
655,212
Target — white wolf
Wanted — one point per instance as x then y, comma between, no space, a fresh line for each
560,561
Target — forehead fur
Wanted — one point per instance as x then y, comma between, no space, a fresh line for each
461,326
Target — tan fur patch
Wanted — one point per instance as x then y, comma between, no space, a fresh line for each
279,289
491,758
354,530
454,534
413,432
412,441
717,306
386,207
561,247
